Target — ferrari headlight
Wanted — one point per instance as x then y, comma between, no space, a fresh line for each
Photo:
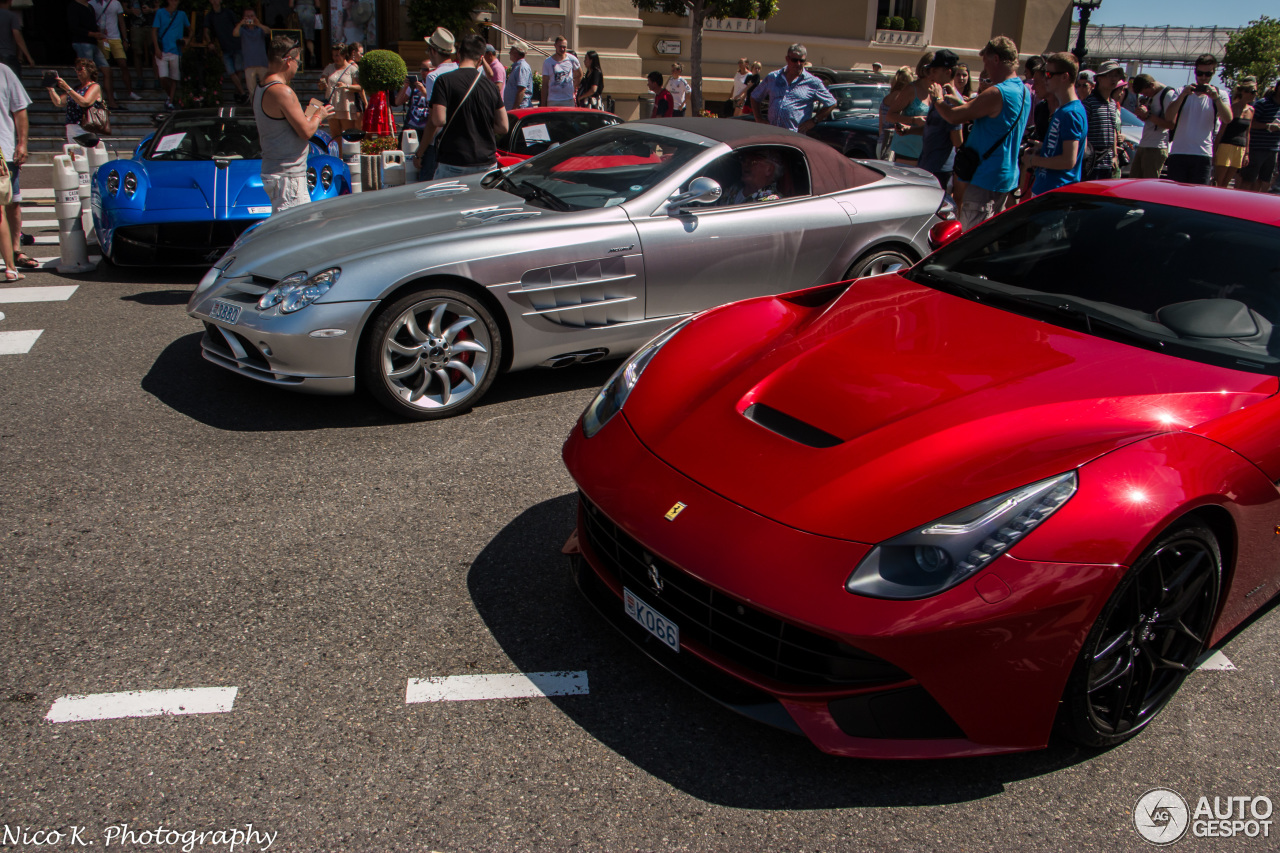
113,182
130,183
936,557
311,177
326,176
297,291
615,392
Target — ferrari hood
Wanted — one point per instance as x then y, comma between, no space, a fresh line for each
897,404
314,235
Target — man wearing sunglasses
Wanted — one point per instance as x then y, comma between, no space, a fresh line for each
284,130
1195,116
1057,160
792,93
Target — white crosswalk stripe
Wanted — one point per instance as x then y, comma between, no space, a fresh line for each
37,294
462,688
142,703
18,343
1214,660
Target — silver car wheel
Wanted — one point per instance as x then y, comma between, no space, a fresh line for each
879,263
434,354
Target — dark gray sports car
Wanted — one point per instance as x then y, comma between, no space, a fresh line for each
423,293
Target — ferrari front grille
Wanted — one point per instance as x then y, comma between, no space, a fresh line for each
750,638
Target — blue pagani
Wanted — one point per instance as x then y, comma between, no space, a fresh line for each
191,188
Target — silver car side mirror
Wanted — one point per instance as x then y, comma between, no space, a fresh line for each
701,191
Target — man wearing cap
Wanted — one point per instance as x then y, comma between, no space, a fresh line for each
1058,158
941,137
1264,143
519,92
1195,115
999,115
1103,115
493,69
440,52
792,93
1154,100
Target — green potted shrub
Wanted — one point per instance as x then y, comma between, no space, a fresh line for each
883,23
896,23
381,72
914,25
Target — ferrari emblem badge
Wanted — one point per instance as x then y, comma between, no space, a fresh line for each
675,511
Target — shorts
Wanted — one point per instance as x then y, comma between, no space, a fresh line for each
444,170
232,62
167,66
74,130
113,48
1147,162
1190,168
15,172
1229,156
253,74
91,52
979,205
1262,166
286,191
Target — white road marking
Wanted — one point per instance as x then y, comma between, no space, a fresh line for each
37,294
37,192
142,703
462,688
46,239
18,343
1214,660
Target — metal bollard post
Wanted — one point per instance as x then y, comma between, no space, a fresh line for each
392,169
72,246
351,156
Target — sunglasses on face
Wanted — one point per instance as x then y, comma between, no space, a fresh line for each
1204,74
796,59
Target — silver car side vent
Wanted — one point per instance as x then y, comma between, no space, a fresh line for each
788,427
581,306
442,189
596,293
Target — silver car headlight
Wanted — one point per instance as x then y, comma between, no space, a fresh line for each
943,553
130,183
615,392
113,181
311,178
326,176
297,291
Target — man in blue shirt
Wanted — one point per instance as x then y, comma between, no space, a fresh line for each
792,93
169,27
1057,161
999,117
519,91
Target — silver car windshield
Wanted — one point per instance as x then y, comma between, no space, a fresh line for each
601,169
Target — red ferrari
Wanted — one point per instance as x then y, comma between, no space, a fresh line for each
1016,489
533,130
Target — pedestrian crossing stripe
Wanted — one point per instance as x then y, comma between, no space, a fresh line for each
18,343
60,293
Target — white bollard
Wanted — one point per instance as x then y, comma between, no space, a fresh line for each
80,162
392,169
72,246
410,147
370,164
351,156
98,157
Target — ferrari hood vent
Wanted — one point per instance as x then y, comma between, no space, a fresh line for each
789,427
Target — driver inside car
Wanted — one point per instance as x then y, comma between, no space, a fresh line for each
761,171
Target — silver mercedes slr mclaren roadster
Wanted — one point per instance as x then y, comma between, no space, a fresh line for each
423,294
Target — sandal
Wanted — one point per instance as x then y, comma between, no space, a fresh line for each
22,259
11,276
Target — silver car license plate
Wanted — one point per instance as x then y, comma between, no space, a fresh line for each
225,312
653,621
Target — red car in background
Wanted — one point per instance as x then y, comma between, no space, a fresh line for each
1019,487
536,129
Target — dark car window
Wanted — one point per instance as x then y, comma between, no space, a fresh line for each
602,169
206,138
541,131
858,99
1117,267
727,171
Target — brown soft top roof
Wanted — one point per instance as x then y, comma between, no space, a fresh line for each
830,171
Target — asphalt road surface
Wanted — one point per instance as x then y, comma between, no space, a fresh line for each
301,565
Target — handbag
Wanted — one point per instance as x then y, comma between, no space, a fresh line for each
6,184
97,119
968,159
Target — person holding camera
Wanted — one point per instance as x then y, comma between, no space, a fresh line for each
76,99
253,47
170,29
1154,101
1195,116
413,97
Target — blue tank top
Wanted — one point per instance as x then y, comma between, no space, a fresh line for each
910,145
999,172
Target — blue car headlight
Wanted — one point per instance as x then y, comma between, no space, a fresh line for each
615,392
943,553
297,291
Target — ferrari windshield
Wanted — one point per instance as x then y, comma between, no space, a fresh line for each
858,99
602,168
206,137
1197,285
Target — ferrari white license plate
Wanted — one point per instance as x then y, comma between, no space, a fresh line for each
225,311
653,621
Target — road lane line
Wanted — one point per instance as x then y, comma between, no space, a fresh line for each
18,343
142,703
37,294
463,688
1214,660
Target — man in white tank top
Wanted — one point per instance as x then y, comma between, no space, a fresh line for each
283,128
